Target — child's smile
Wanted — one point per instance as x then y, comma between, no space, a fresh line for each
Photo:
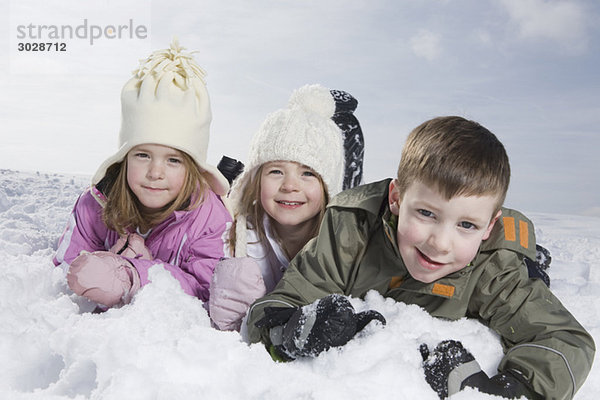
155,174
290,204
290,193
437,237
427,262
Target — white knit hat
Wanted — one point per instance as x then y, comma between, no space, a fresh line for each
302,132
166,103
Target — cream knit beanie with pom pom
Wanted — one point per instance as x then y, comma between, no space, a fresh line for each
166,103
303,132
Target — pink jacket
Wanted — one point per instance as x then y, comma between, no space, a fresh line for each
188,243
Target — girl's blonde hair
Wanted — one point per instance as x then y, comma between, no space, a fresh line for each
250,206
122,211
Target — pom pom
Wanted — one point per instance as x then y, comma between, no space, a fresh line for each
313,98
174,59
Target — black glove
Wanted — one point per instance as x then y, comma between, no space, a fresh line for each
537,268
354,142
542,257
310,330
230,168
451,367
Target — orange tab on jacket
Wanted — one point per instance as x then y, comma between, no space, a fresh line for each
443,290
510,231
523,234
395,282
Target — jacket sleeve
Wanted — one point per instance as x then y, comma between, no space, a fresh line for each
85,231
194,265
541,338
324,266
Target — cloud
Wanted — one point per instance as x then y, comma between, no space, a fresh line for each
483,37
426,44
563,22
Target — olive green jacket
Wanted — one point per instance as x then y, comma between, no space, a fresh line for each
356,251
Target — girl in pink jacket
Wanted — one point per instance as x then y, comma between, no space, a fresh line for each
156,201
295,164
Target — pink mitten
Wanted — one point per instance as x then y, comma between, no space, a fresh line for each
132,246
235,285
103,277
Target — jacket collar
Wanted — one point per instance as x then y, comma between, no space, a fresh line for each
450,286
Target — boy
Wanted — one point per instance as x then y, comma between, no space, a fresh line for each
437,237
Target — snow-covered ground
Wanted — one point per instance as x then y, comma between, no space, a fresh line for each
162,346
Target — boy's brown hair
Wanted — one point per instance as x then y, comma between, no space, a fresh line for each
456,156
122,211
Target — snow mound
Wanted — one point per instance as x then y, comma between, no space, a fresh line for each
162,345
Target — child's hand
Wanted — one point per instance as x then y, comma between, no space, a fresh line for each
132,246
104,278
450,367
234,286
312,329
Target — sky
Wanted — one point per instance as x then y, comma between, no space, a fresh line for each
525,69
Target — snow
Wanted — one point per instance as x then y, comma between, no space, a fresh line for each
162,346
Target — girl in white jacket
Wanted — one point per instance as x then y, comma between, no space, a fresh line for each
295,164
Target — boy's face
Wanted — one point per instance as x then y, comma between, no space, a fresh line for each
437,237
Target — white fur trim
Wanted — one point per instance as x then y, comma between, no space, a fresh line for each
240,237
